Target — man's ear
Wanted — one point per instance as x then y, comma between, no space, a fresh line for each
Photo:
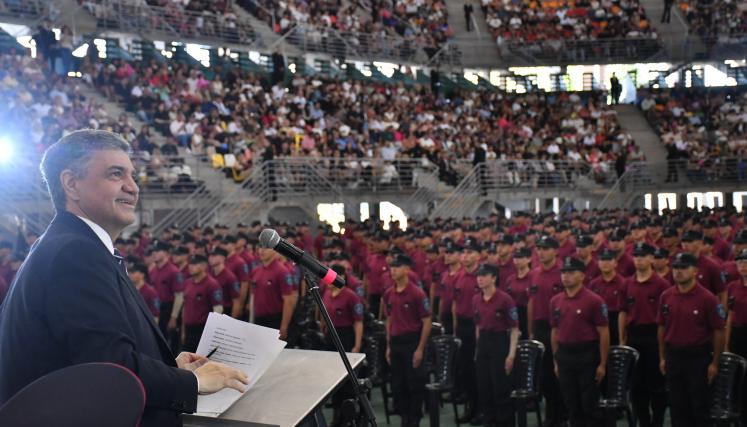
69,185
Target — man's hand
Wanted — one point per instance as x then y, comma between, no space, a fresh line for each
509,365
388,355
237,313
557,371
215,376
663,366
355,350
601,372
190,361
172,324
712,372
417,358
283,333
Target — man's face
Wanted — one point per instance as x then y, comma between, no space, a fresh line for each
107,194
215,261
638,234
607,266
571,279
484,281
742,267
266,255
180,259
197,269
660,263
522,262
471,257
136,276
617,245
642,263
583,251
504,250
683,275
546,255
399,272
693,247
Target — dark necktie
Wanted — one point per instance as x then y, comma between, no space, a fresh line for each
120,261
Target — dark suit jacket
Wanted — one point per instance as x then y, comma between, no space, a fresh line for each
72,303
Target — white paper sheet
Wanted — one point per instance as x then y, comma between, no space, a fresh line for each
245,346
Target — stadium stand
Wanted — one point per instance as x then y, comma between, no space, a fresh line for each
716,17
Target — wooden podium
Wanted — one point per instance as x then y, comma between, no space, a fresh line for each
294,387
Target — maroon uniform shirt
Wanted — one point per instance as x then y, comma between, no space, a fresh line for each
592,271
238,267
668,277
566,249
518,288
420,261
690,318
729,271
344,309
465,288
505,271
545,284
199,300
150,296
625,266
609,291
577,318
737,301
448,279
710,275
355,285
406,309
721,249
497,314
167,280
230,285
269,284
433,272
640,300
377,271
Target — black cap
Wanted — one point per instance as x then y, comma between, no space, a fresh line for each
572,264
219,251
139,267
741,237
400,260
162,246
452,247
692,235
684,260
506,239
522,253
724,222
432,249
181,250
188,238
562,227
584,241
338,269
710,223
638,225
643,249
661,253
197,259
472,245
708,240
547,242
669,232
618,235
487,270
230,239
741,256
607,254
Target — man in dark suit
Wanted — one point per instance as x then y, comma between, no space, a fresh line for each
72,301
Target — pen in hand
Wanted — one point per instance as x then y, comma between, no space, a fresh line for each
212,352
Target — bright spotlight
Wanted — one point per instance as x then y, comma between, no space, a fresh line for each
6,150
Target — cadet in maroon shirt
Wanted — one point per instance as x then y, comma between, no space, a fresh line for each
580,341
736,323
709,274
566,247
465,289
729,268
238,266
432,277
408,326
506,268
616,242
346,311
691,339
180,258
169,283
546,283
226,279
497,331
448,279
274,293
138,273
639,299
585,254
351,282
661,265
202,294
720,249
609,286
518,286
377,268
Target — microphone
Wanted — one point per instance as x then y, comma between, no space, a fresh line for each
270,239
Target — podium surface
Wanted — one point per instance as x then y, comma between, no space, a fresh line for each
294,385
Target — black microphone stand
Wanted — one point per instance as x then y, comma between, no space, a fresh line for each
363,402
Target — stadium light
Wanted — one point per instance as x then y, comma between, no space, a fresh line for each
6,150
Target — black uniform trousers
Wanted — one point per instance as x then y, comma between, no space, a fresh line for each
648,392
270,321
448,322
436,306
408,383
614,321
523,323
493,384
374,303
577,366
687,381
738,344
192,335
172,337
347,337
554,409
465,381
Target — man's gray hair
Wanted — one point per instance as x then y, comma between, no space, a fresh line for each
73,152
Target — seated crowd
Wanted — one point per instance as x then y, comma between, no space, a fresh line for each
700,126
242,114
715,18
629,264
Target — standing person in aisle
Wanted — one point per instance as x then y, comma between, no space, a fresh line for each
580,341
202,294
546,283
638,327
408,326
169,283
497,331
518,286
465,289
736,322
609,286
691,340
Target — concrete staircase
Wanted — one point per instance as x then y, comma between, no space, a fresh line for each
476,46
269,39
632,120
674,34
